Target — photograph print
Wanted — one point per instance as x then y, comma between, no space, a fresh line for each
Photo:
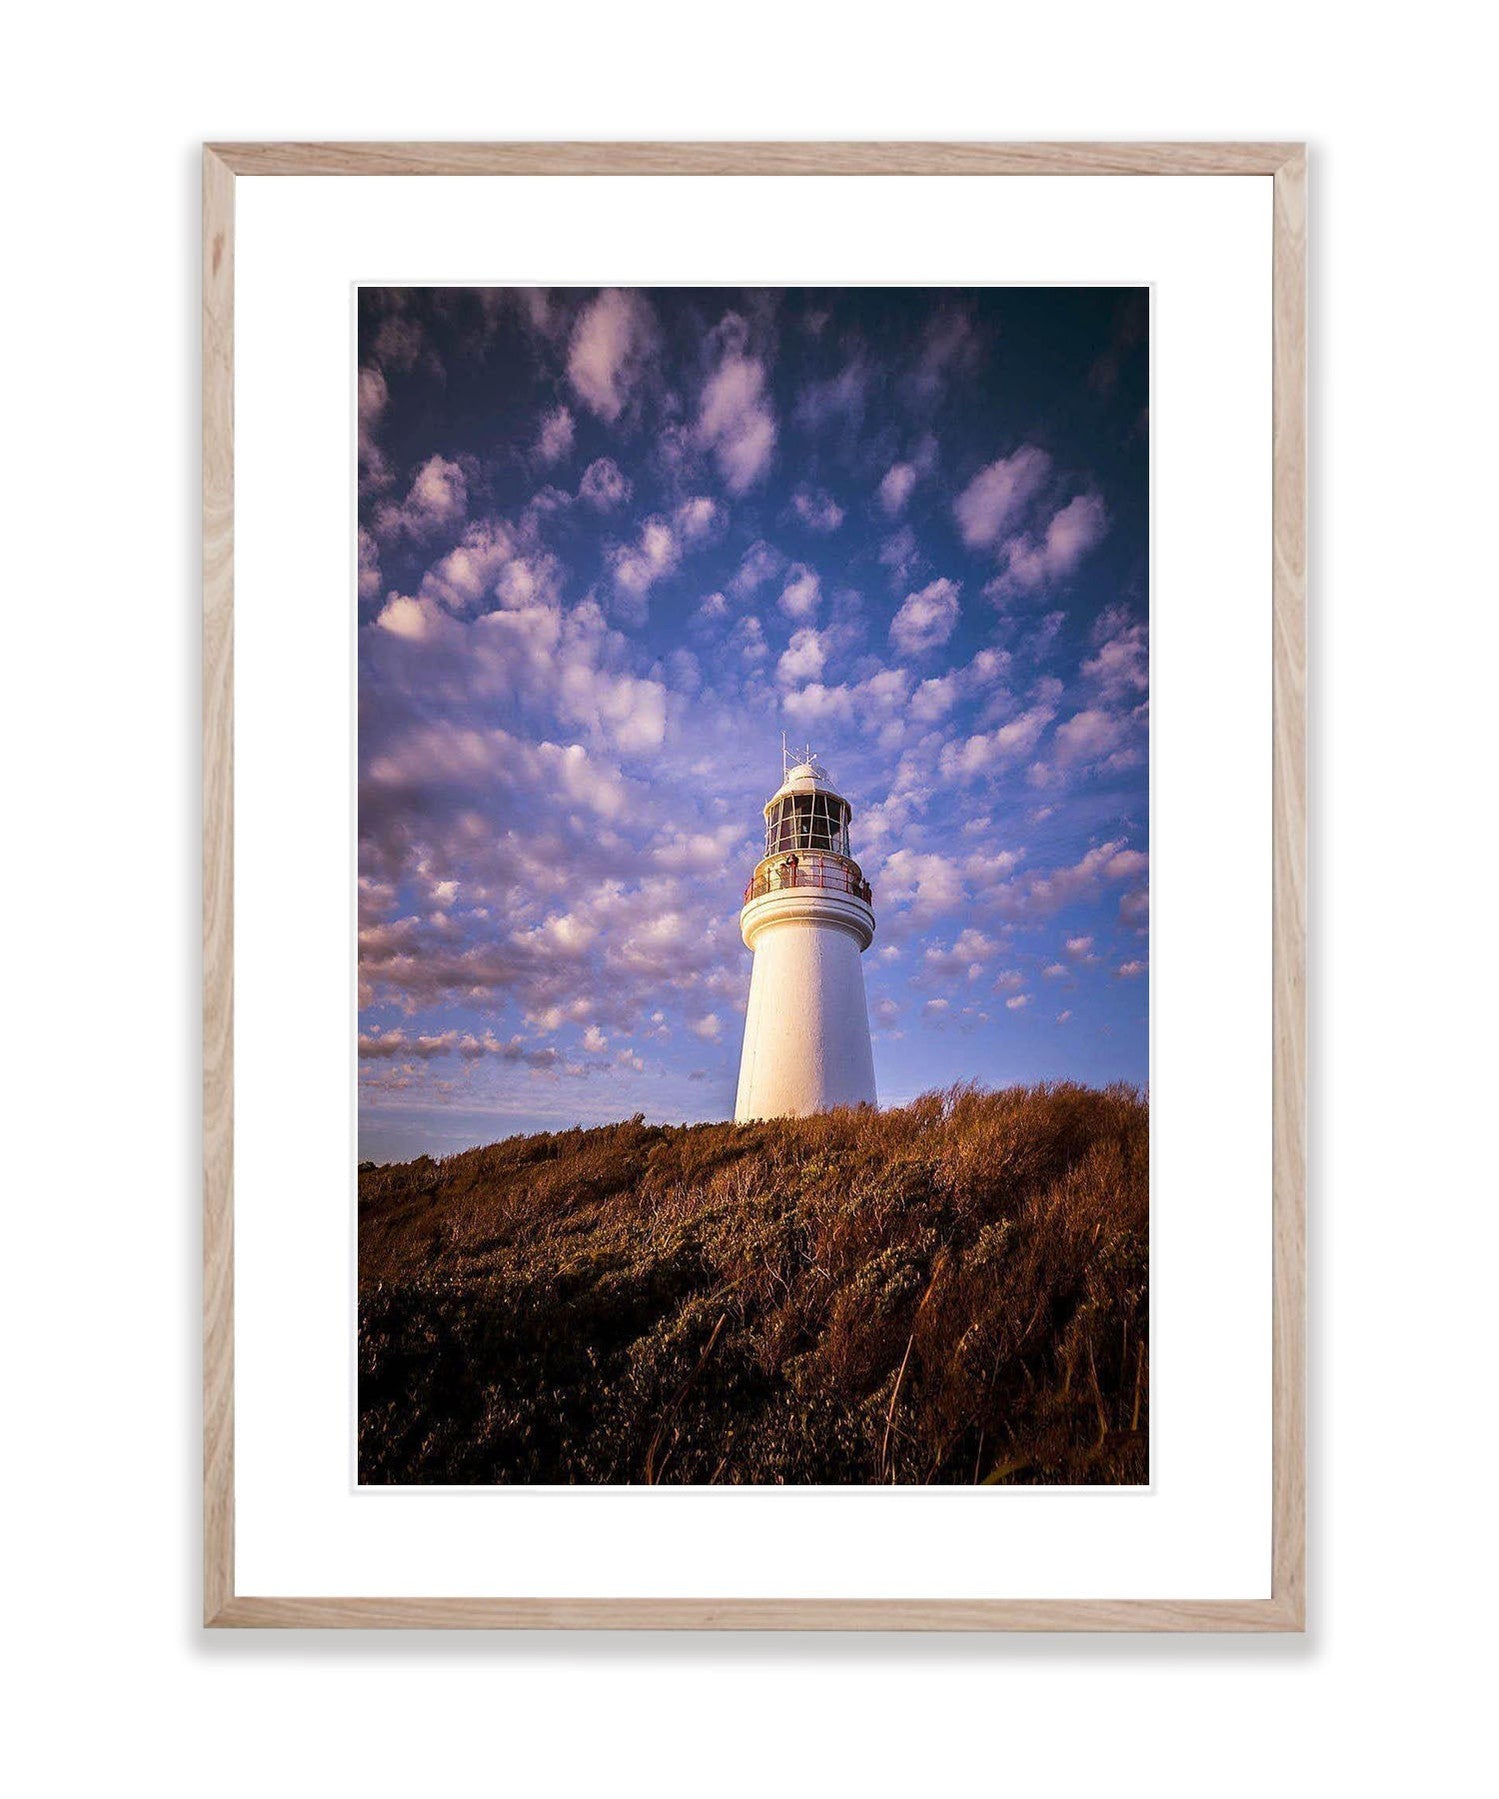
753,886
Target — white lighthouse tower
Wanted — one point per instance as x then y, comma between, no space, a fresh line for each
808,916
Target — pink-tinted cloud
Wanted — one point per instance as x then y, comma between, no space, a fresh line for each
436,502
555,438
603,486
895,488
817,509
611,344
997,497
1031,562
800,595
735,421
926,619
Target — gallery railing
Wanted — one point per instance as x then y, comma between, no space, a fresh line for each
836,877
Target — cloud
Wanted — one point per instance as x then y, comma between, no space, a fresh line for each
686,670
989,868
1078,881
374,471
926,619
535,660
611,344
760,563
801,593
603,485
430,757
735,421
929,882
999,495
405,617
1128,971
748,639
637,567
1134,907
388,1045
698,518
1017,1000
707,1027
489,563
624,710
899,554
1121,668
1089,736
896,487
873,704
713,611
1032,562
555,438
935,698
534,1055
840,396
817,510
700,852
1094,738
588,945
818,704
966,956
538,313
965,758
949,346
560,936
400,340
436,501
803,660
369,565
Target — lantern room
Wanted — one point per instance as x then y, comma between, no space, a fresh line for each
805,814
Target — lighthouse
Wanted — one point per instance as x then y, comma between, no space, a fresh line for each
808,916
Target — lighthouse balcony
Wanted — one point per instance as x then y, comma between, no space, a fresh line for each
831,873
826,891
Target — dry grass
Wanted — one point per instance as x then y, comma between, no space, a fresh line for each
952,1292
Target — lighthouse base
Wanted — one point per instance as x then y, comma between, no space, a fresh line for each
806,1033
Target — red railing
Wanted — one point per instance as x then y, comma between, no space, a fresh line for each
836,877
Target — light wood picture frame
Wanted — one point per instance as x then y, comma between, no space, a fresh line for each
1285,163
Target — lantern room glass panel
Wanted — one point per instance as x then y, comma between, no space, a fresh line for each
808,821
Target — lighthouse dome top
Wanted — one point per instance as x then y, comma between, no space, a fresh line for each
806,776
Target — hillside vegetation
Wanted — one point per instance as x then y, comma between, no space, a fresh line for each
954,1292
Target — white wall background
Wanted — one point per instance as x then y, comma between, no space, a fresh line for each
105,109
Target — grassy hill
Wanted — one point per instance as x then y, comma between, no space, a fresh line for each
952,1292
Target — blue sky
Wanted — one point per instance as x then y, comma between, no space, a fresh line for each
612,544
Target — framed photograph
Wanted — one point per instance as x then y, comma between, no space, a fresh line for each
754,886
